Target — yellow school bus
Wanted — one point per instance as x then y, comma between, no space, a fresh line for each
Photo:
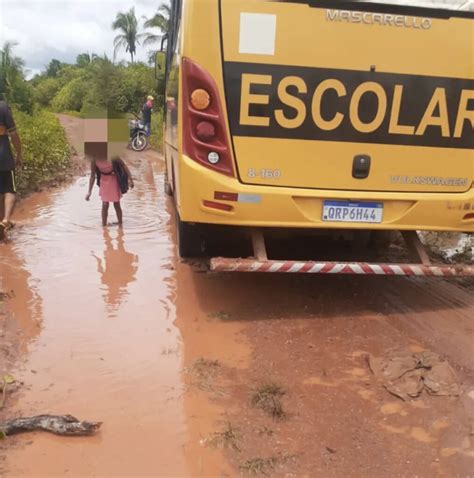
320,114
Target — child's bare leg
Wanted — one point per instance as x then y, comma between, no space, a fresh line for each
118,210
105,213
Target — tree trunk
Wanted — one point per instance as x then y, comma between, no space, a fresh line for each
66,425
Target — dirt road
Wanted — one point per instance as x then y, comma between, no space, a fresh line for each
115,329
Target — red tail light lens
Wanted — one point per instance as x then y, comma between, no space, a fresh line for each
204,129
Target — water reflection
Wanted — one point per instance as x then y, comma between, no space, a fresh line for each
25,304
117,269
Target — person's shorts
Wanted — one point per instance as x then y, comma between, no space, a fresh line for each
7,182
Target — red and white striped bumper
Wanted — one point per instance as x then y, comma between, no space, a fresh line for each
220,264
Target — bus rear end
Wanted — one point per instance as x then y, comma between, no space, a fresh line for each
298,114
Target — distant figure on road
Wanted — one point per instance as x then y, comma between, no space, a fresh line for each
7,166
107,171
146,114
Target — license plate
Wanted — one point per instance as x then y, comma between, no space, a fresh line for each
348,211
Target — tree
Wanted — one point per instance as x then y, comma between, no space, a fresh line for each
13,86
45,90
11,69
161,21
53,68
129,38
85,59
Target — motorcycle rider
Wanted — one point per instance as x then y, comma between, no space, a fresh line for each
146,114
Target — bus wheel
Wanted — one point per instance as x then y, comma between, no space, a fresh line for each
168,190
191,239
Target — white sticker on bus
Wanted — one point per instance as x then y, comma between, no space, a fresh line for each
257,33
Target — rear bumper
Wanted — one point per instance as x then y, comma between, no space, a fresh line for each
267,206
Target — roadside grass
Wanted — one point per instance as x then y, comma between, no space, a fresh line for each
265,431
221,315
204,372
227,438
264,466
268,398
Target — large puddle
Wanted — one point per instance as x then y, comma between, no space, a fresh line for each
98,312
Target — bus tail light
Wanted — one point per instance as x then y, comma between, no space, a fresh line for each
204,130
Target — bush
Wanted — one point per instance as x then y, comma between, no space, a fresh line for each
156,138
45,91
46,152
70,96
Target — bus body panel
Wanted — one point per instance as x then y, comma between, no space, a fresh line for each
299,114
311,171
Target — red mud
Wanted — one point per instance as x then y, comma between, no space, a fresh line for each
112,326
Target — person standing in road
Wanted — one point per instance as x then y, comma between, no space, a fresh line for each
146,114
105,171
8,164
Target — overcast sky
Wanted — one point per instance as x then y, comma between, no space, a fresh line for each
61,29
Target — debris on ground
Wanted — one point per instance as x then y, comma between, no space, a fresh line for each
450,246
65,425
265,466
224,439
203,372
268,398
221,315
6,295
407,375
6,381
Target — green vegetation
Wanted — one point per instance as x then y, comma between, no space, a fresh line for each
94,86
127,25
161,21
13,86
45,150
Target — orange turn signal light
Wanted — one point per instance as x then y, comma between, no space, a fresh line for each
200,99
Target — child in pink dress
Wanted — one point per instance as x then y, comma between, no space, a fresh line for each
109,189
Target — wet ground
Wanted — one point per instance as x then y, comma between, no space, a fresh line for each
114,328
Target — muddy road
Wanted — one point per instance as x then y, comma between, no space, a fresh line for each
114,328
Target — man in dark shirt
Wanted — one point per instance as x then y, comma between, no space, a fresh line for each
8,164
146,114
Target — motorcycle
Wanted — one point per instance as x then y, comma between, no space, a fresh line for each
138,135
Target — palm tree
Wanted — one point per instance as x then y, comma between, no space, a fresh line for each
129,37
11,68
161,21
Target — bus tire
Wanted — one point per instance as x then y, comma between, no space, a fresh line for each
168,189
191,239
